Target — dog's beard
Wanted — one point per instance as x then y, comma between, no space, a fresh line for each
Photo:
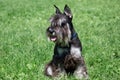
63,36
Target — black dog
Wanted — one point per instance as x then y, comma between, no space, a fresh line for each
67,56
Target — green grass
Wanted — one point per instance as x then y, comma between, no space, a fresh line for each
24,49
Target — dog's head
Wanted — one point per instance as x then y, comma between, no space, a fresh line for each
61,27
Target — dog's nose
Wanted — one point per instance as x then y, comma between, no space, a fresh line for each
50,30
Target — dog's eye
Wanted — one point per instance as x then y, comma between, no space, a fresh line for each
63,24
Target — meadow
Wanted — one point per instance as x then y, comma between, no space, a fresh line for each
24,48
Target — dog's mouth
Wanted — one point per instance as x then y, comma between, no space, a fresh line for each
53,38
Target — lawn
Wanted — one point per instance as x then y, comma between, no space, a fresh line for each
24,48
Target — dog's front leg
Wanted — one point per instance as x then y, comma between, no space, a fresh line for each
81,72
51,70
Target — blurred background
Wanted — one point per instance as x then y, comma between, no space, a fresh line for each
24,48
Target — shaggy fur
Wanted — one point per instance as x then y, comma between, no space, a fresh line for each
67,58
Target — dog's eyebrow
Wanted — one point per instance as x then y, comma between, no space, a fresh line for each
53,24
57,20
53,18
63,20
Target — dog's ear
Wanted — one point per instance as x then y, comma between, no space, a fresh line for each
67,11
57,10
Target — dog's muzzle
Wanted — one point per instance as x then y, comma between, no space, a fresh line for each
51,34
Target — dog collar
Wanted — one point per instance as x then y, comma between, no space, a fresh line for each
74,35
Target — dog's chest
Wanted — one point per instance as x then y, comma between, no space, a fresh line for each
62,51
75,52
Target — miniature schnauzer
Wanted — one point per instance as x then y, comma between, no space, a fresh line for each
67,58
